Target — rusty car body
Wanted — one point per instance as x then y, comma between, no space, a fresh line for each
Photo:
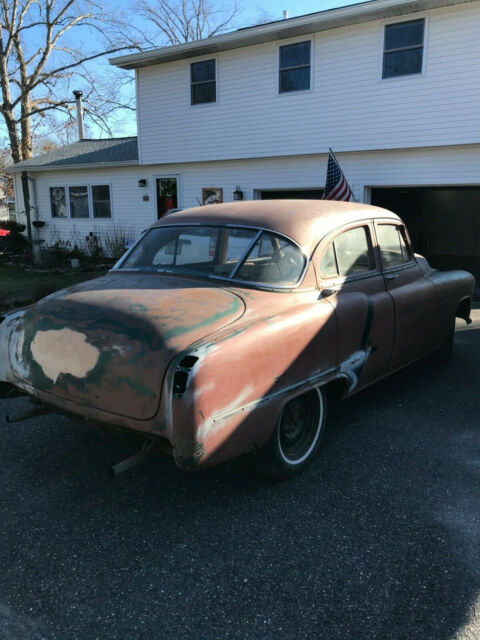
222,329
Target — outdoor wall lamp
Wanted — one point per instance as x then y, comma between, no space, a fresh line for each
237,194
142,182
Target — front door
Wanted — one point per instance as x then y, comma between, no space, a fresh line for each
167,195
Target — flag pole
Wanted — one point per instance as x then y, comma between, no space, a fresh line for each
335,158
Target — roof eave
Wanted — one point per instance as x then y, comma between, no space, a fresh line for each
292,27
66,167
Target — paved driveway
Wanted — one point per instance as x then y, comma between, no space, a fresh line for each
379,539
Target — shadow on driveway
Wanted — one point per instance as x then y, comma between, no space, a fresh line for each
378,539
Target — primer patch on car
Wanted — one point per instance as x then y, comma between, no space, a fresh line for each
64,351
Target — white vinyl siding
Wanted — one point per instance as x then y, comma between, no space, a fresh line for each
349,106
415,167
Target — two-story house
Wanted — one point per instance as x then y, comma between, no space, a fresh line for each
392,86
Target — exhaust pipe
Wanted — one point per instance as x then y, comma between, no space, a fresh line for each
132,461
27,415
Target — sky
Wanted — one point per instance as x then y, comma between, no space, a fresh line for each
249,13
295,8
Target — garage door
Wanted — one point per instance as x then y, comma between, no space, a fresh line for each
288,194
444,222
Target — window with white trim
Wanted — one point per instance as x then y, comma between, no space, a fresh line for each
101,201
81,202
203,82
294,67
58,202
403,48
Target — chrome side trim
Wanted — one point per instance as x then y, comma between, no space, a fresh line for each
315,378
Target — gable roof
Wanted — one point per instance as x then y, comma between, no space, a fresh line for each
281,29
84,153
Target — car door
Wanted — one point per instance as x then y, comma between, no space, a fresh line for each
414,296
350,279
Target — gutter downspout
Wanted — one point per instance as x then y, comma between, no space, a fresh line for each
26,204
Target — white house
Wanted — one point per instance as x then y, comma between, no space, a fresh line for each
391,85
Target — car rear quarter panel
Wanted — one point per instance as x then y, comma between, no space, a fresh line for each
245,374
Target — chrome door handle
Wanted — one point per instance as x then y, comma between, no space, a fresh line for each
330,291
391,276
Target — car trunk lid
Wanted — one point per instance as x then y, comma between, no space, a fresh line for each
107,343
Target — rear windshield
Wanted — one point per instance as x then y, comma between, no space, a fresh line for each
248,255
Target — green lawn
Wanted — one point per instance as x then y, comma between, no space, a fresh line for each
19,287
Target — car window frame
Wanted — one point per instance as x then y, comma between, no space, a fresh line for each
406,238
330,238
118,266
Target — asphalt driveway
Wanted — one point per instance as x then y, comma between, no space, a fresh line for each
379,539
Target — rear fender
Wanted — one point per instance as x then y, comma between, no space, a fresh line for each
232,395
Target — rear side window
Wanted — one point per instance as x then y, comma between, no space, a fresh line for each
349,254
393,248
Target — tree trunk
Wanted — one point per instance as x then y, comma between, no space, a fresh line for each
26,146
15,146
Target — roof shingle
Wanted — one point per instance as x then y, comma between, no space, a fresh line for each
85,152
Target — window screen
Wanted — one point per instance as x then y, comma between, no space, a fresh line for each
403,48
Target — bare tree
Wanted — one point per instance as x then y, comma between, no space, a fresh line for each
38,63
180,21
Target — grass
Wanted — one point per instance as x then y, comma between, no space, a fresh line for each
18,287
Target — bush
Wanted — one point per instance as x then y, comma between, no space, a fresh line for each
114,239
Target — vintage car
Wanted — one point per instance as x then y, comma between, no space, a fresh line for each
224,328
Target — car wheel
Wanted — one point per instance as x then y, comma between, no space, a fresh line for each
296,437
444,354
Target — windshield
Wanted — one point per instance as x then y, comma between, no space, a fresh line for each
249,255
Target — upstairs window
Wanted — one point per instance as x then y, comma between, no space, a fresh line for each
295,67
203,82
403,48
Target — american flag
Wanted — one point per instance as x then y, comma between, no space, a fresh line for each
336,187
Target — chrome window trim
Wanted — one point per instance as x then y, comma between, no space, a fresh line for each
260,230
245,254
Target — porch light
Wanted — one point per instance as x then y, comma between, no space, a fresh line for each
142,182
237,194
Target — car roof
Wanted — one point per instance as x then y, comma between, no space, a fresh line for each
304,221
